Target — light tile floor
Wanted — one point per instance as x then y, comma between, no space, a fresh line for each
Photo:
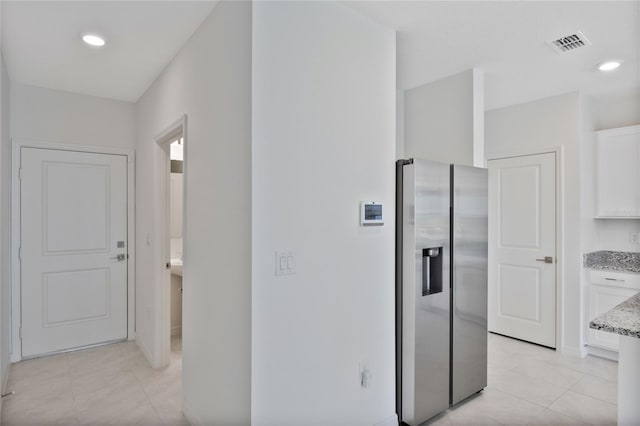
114,384
106,385
532,385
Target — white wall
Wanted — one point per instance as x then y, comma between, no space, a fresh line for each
589,233
617,111
399,124
614,234
210,81
443,120
58,117
5,227
610,113
550,123
323,140
588,230
53,116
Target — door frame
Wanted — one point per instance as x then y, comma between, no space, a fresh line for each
558,151
163,205
16,305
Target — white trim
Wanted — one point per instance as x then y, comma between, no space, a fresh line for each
559,153
5,380
16,147
602,352
171,132
573,351
163,206
619,131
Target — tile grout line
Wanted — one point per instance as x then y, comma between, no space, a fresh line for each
73,394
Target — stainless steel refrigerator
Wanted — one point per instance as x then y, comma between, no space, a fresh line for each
441,286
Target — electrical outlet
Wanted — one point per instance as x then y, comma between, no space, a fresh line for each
634,237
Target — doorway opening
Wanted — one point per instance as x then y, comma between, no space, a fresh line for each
176,191
172,167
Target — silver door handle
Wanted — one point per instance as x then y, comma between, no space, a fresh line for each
546,259
119,257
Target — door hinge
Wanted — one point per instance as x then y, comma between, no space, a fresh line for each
19,253
20,332
20,173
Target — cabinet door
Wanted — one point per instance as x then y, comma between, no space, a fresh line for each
602,299
618,175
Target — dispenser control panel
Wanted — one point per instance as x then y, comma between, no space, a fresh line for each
371,213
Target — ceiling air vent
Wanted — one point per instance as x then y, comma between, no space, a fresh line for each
570,42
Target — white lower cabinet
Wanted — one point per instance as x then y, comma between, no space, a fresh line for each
608,289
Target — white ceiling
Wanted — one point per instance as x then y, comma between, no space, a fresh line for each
436,39
507,39
41,43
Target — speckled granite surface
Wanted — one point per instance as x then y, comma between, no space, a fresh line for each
624,319
613,260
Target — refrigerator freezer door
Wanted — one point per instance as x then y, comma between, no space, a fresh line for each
425,300
469,319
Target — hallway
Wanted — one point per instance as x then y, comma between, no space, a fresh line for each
112,384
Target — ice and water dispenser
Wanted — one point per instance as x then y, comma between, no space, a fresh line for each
431,270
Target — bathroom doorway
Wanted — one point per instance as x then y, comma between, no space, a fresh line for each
173,169
176,203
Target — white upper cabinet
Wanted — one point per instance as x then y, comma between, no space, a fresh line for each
618,173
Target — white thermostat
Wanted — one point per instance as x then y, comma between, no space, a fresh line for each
371,213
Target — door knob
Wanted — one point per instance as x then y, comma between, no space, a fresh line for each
546,259
119,257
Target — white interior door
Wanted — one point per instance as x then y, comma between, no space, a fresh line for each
73,265
522,233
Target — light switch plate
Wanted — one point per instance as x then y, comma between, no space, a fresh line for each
634,237
285,263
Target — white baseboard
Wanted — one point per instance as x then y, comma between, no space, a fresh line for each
603,353
146,353
3,386
389,421
5,379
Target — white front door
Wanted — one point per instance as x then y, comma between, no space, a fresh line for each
522,234
73,265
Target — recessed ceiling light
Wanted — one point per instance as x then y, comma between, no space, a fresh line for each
608,66
93,40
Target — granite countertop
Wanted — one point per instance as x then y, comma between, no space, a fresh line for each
624,319
623,261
